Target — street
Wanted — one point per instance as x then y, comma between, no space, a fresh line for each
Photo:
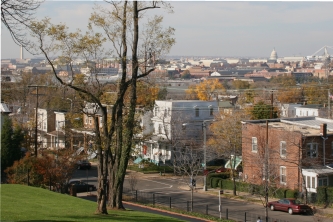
176,189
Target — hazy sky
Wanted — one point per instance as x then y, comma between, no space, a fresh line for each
219,28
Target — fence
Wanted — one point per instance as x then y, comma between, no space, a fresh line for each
159,199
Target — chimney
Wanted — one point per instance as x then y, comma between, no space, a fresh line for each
323,129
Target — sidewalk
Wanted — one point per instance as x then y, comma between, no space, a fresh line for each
241,196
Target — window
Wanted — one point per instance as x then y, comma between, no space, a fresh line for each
332,149
283,175
283,149
313,185
312,150
322,182
254,144
311,182
211,111
44,126
156,111
196,112
167,130
90,120
160,128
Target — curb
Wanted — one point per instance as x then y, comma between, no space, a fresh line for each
166,211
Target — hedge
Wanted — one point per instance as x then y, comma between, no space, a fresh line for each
217,175
329,192
321,194
214,181
291,193
280,193
219,181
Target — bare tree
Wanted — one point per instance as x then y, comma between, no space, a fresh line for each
16,16
261,166
187,162
114,134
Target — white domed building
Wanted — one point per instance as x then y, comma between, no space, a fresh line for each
273,58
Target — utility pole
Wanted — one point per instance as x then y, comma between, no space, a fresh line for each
36,122
266,156
329,104
36,115
271,115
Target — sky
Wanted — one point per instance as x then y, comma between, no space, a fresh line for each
218,28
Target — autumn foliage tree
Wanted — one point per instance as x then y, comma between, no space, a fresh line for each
120,23
226,137
45,170
206,89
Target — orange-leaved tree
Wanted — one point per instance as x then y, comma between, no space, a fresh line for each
206,89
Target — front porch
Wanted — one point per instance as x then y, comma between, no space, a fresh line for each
318,177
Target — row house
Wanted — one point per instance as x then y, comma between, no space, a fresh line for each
175,124
299,110
292,153
51,129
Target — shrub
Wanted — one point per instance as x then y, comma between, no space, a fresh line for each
280,193
215,182
321,195
220,185
291,193
217,175
243,187
329,193
228,184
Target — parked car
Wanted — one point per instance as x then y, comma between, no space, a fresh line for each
83,164
221,170
81,186
290,205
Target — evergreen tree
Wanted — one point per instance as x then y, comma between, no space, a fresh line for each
263,111
10,144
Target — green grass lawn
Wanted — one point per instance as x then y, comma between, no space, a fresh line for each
23,203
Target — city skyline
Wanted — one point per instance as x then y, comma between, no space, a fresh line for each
217,28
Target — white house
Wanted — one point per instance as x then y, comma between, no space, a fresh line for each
175,123
289,109
308,110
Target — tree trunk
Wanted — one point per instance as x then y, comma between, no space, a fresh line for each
102,172
234,182
191,198
116,169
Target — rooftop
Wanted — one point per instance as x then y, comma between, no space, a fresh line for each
309,126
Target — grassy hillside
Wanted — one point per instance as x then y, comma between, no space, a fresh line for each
23,203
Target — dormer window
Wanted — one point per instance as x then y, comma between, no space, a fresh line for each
211,110
196,111
156,110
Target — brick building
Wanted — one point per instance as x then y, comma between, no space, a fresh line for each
293,153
